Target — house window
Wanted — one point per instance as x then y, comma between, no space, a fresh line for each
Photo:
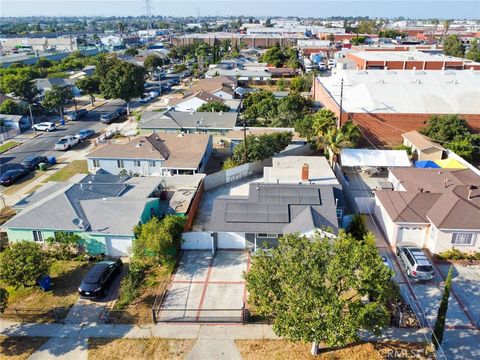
266,235
96,163
152,164
37,235
136,163
339,213
467,239
120,164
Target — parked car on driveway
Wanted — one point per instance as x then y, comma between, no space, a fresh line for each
11,176
66,142
75,115
96,282
109,118
45,126
416,262
84,134
146,98
31,162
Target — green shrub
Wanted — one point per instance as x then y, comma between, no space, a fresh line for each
455,254
64,246
131,283
437,335
3,300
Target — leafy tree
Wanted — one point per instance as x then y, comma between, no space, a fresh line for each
121,28
359,40
463,147
158,239
3,300
358,227
301,83
453,46
89,85
64,246
290,108
366,27
445,128
334,140
313,287
213,106
261,147
10,107
282,85
21,86
123,81
437,335
22,263
179,68
44,63
274,56
131,52
152,62
474,52
260,104
57,97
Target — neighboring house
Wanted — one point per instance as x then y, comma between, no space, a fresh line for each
422,147
157,154
46,84
176,121
87,71
191,102
220,86
15,122
241,74
102,209
438,209
268,212
237,135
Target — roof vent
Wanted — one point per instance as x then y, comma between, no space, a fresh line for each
138,145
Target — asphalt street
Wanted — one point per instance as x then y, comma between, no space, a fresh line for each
45,143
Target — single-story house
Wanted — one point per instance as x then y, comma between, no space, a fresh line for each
46,84
271,210
437,209
192,101
156,154
87,71
102,209
220,86
422,147
173,121
251,74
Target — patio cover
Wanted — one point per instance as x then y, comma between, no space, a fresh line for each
427,164
376,158
450,164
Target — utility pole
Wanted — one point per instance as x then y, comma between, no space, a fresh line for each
341,103
245,150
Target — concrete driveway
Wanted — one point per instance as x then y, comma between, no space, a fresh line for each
206,288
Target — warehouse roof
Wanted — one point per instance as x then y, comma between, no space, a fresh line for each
405,56
406,91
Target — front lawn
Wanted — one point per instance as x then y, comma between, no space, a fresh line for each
66,172
6,214
18,347
8,145
33,304
138,349
283,349
140,309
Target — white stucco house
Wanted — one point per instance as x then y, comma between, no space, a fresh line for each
437,209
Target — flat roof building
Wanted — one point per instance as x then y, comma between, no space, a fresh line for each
386,104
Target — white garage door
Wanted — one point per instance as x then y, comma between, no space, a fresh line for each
230,240
118,246
411,235
197,241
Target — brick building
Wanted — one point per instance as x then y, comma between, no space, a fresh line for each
261,40
387,103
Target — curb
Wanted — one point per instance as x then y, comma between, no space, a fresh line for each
20,143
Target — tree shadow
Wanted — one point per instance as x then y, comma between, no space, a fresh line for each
19,346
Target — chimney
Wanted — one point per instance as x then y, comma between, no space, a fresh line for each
470,188
305,172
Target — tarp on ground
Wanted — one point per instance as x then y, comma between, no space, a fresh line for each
375,158
450,164
427,164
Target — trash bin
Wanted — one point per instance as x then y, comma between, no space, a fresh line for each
52,160
42,166
45,283
62,121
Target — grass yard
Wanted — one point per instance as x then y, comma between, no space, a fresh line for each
140,310
19,348
283,349
138,349
6,214
65,173
7,145
36,305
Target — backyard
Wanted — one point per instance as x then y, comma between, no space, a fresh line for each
34,304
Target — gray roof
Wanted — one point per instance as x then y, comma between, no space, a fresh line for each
183,120
49,82
276,208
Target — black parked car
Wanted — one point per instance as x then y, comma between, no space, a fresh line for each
31,162
95,284
11,176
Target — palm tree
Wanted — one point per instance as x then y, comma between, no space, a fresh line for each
121,28
323,120
334,140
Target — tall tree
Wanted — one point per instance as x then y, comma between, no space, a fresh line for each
213,106
89,85
261,147
437,336
474,52
313,287
123,81
453,46
121,28
22,87
152,62
336,139
57,97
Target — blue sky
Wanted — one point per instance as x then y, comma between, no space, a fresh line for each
379,8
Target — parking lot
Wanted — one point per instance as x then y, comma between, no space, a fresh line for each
206,288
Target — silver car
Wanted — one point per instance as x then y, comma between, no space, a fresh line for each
416,262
